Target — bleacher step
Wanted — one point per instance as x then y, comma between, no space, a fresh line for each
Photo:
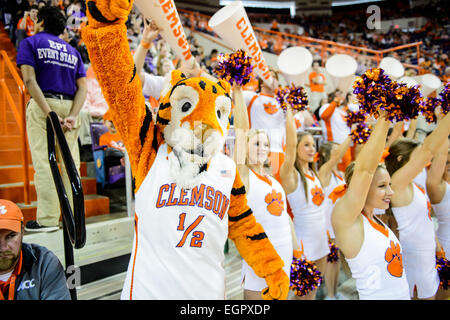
109,288
14,173
104,240
94,205
11,157
14,191
10,142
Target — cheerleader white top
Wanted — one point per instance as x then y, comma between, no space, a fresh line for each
328,204
267,200
378,268
309,217
264,112
442,212
416,229
416,233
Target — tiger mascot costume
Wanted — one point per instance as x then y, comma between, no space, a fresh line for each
189,196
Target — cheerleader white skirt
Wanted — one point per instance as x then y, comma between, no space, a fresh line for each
312,232
420,269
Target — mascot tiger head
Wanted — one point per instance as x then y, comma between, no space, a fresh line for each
194,115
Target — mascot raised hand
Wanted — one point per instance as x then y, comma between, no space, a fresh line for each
189,196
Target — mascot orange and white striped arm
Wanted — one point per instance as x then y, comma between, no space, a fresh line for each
188,105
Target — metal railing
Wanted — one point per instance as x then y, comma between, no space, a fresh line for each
74,226
19,112
326,47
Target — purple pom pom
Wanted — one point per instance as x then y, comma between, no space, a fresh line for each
304,276
376,91
355,117
294,96
361,133
235,67
443,268
445,98
428,108
333,256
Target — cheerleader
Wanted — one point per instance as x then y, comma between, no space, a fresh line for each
330,153
265,195
438,177
334,125
371,249
305,195
405,161
264,112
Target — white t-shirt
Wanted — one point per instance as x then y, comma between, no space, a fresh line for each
152,85
6,276
335,127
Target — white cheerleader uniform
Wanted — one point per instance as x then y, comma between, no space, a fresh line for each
267,200
328,204
170,234
442,212
265,113
377,268
416,233
309,218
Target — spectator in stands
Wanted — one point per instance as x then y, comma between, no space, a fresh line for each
54,74
14,11
25,26
115,150
274,26
335,126
212,61
27,271
317,84
163,53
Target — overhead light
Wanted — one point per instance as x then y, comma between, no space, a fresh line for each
265,4
351,2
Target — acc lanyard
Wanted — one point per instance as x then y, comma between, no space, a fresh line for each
12,280
12,284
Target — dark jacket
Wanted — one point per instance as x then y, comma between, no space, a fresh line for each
42,276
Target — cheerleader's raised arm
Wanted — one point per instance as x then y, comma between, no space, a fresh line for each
349,208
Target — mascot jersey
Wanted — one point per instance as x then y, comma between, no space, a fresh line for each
179,235
199,222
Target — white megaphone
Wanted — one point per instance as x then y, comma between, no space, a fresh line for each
341,68
294,63
233,26
392,67
409,81
165,15
428,83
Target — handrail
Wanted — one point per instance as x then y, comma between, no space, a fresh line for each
19,112
74,226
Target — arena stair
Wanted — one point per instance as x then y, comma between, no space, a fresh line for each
11,181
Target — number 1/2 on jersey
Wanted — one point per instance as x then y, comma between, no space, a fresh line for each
197,236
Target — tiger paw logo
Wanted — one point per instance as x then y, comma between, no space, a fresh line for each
3,210
275,204
270,108
318,195
393,257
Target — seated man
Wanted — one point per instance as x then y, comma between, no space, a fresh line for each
27,271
